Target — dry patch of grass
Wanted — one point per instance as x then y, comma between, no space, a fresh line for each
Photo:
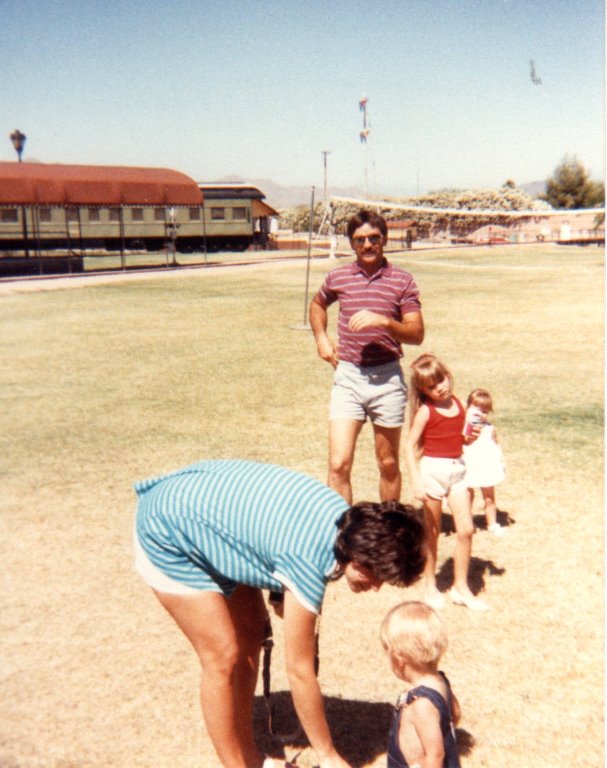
105,385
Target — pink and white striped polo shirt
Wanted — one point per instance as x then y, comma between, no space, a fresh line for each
391,291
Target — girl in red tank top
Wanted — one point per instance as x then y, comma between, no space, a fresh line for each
436,438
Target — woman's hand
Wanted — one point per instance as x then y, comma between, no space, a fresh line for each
333,761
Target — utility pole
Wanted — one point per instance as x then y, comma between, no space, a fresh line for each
324,154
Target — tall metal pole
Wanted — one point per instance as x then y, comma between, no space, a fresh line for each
305,317
324,154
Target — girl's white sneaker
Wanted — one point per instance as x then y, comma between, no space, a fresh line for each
470,601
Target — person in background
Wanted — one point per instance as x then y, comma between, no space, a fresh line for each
210,537
422,734
379,311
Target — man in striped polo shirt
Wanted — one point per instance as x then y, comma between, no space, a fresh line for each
379,310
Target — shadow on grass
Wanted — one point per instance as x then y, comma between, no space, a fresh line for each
476,574
504,518
359,728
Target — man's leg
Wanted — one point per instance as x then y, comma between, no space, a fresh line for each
387,443
343,434
226,635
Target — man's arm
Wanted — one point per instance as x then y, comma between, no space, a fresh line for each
318,321
408,330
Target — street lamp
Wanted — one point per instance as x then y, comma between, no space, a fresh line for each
18,140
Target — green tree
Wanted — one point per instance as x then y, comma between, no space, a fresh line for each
571,187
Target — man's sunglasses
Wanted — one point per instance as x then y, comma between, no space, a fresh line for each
373,239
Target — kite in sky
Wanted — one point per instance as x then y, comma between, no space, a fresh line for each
534,78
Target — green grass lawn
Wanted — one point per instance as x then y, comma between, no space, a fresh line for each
107,384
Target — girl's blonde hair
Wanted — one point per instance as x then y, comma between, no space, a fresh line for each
426,371
414,632
481,399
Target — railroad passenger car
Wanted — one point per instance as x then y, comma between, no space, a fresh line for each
235,215
86,209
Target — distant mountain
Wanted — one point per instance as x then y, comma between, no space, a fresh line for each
533,188
278,196
288,197
285,197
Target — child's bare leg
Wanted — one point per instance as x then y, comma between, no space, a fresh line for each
459,502
471,494
432,520
490,507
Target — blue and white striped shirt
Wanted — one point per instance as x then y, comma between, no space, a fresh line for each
241,522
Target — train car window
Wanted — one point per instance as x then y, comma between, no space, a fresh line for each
9,215
114,214
136,214
239,213
218,213
71,214
94,214
194,214
44,214
158,214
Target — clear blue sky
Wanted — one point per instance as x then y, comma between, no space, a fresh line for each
258,88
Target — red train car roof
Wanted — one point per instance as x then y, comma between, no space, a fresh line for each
42,184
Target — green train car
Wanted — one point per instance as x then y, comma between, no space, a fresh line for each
85,209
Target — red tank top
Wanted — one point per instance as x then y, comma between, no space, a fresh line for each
442,436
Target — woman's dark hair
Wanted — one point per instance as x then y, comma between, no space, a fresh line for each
387,538
367,217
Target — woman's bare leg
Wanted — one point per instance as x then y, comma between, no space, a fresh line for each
226,635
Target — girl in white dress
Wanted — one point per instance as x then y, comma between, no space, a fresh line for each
484,459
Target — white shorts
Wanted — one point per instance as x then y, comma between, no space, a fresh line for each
378,392
440,477
156,579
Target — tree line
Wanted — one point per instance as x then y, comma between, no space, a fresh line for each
569,187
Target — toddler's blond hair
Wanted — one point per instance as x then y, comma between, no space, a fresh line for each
413,631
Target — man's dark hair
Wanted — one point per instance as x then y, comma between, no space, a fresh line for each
387,538
367,217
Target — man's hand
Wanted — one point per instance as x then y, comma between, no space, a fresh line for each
364,318
327,350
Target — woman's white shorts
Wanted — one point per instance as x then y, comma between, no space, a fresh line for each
153,576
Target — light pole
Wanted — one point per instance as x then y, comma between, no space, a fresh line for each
324,154
18,140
